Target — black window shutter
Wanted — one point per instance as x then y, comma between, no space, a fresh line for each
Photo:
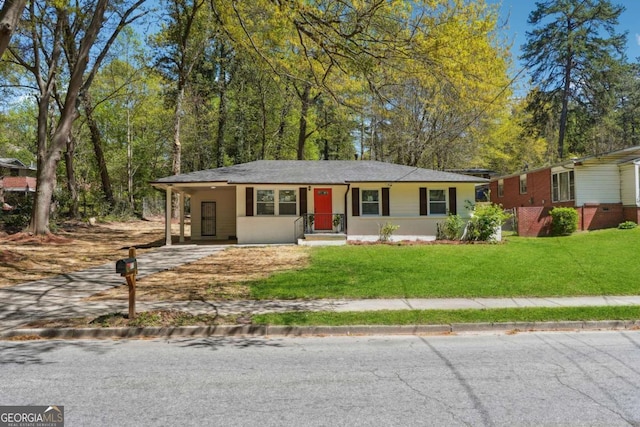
423,201
355,201
385,201
453,202
249,201
303,201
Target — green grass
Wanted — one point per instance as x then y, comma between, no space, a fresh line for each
444,317
602,262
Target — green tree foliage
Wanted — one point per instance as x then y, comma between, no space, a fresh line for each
573,51
419,62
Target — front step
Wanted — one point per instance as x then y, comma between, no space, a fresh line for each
323,239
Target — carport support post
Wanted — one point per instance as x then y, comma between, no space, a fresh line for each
182,200
167,218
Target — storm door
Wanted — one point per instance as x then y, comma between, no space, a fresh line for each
208,221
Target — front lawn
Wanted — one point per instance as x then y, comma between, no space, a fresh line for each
602,262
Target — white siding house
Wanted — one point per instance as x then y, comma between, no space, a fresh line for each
290,201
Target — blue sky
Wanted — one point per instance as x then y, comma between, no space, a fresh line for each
516,12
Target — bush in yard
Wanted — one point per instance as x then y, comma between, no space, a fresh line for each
486,220
627,225
451,229
385,231
564,221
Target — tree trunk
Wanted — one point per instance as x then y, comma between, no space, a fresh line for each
305,100
132,204
222,121
9,18
44,194
45,183
96,140
263,124
222,106
177,145
71,177
563,122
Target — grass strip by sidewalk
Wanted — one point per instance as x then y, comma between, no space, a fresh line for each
443,317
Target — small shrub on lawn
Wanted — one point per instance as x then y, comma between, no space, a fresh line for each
485,220
627,225
14,222
385,231
451,229
564,221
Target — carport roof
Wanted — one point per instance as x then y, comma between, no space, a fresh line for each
326,172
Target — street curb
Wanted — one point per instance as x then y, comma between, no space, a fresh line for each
298,331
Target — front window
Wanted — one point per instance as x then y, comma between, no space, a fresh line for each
437,202
370,202
523,184
563,187
287,202
265,202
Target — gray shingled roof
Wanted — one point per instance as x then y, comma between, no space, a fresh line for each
316,172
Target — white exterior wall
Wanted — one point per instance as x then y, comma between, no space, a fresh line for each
266,229
225,198
629,191
278,229
404,210
597,183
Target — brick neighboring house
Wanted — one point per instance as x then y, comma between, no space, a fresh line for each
16,182
605,190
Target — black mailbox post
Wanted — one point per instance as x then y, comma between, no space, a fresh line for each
128,268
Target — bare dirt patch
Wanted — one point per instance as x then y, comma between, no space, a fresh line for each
219,277
75,246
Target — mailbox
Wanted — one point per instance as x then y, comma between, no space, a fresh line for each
127,266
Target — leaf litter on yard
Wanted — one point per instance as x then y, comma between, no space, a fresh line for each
217,277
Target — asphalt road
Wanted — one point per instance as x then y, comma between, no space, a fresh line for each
587,378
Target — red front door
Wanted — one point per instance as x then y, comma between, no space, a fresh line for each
322,208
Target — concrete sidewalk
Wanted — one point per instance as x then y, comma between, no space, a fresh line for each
62,296
345,305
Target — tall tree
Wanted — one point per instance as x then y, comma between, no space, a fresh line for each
182,44
41,53
572,41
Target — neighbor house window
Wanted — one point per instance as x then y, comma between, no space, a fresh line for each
523,184
437,202
501,188
370,202
287,202
265,202
562,186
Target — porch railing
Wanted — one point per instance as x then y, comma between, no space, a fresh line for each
323,223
